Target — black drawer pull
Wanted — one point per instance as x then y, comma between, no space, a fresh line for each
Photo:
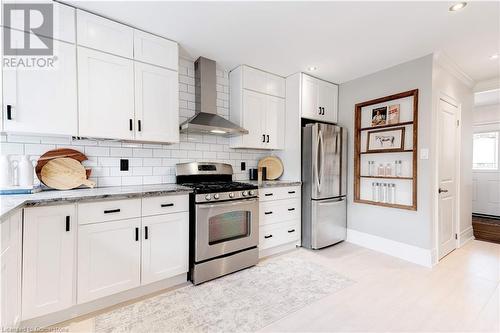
68,223
291,192
139,127
130,124
9,112
290,231
136,234
167,205
112,211
268,194
268,213
268,236
291,209
146,233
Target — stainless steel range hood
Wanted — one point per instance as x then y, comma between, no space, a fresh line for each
206,120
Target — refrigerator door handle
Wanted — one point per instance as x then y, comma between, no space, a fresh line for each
317,163
322,166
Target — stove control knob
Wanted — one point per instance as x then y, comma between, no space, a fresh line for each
231,194
208,197
244,193
216,196
251,192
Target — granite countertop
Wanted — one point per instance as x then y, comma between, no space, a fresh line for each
9,203
274,183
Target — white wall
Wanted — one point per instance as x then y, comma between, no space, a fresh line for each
445,81
149,163
408,227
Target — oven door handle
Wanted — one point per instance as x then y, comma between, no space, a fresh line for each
226,204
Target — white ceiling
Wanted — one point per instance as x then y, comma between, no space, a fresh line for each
344,40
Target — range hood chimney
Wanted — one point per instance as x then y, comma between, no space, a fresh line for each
206,120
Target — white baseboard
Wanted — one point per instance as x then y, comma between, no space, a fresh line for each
278,249
465,236
393,248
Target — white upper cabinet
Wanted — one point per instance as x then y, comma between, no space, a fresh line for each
105,95
258,105
263,82
155,50
49,244
104,35
42,101
319,99
156,104
64,23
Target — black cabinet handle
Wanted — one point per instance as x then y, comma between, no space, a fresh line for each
263,138
131,124
111,211
291,192
9,112
268,236
68,218
139,127
166,205
136,234
290,231
268,138
319,110
291,209
323,111
146,232
268,194
268,213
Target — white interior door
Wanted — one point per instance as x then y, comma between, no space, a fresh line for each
447,161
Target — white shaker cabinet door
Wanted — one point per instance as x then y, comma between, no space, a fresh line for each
275,122
108,258
156,104
105,95
99,33
48,260
165,246
328,96
310,96
155,50
254,109
42,101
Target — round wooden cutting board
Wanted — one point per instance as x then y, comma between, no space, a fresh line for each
57,153
273,165
64,174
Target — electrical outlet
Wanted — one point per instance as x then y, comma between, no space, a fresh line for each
243,166
123,165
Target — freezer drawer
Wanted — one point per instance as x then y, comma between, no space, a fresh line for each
328,222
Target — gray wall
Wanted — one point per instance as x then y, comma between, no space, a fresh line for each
410,227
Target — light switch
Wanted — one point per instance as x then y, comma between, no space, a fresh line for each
424,154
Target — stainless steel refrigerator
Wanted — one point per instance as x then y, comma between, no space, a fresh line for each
324,173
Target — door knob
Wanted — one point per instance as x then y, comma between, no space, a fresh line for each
442,191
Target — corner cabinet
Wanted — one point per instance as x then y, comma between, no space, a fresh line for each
319,99
257,103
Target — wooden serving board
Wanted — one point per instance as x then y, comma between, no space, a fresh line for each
57,153
64,174
273,165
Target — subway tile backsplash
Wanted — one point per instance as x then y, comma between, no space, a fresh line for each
148,163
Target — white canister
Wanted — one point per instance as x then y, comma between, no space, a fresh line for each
5,171
26,172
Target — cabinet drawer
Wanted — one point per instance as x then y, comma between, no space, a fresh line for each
278,193
279,210
165,205
155,50
278,234
111,210
104,35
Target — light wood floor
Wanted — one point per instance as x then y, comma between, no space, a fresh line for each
460,294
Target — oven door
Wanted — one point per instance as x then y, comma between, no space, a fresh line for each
226,227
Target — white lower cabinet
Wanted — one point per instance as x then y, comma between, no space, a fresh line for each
165,246
49,245
109,258
279,218
10,271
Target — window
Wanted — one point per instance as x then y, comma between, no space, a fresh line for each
485,151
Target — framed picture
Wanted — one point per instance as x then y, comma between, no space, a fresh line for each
392,139
379,116
393,117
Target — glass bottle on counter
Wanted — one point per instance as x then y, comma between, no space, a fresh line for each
375,192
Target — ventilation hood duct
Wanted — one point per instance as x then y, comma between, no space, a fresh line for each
206,120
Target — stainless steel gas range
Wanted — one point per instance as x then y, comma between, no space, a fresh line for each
224,220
